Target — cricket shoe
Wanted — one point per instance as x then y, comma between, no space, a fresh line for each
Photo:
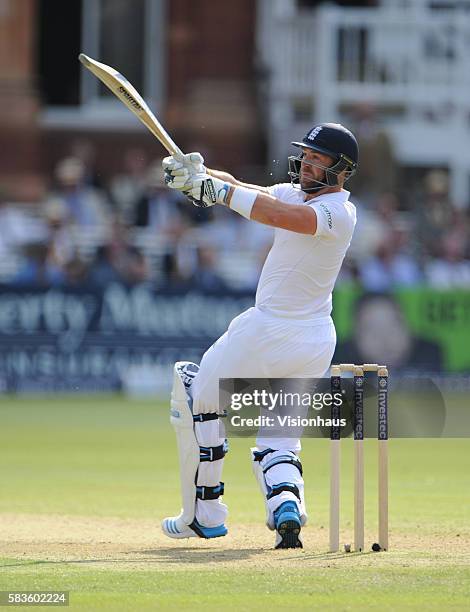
173,527
288,526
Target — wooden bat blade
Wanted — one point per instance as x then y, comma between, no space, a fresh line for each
129,96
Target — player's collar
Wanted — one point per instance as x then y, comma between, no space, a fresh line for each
341,196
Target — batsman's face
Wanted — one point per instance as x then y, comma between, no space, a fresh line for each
313,167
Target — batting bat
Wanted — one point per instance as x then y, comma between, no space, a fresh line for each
129,96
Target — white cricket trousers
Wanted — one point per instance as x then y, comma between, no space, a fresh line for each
258,345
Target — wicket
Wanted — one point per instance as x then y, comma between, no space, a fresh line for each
335,454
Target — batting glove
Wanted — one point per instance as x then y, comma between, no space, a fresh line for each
204,190
180,168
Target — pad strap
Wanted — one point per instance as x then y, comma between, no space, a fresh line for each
283,486
260,455
210,492
202,418
213,453
283,459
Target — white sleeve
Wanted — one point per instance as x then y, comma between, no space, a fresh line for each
330,220
276,190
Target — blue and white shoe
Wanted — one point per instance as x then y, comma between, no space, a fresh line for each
173,527
288,526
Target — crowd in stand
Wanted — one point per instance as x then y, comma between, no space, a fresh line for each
132,229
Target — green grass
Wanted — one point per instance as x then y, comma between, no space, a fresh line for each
242,590
112,457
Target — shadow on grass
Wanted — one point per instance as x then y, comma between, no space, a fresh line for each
325,556
155,556
198,555
194,556
188,554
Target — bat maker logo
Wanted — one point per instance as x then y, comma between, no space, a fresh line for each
210,191
129,98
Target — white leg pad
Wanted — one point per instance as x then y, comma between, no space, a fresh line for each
209,434
279,471
201,448
181,418
258,472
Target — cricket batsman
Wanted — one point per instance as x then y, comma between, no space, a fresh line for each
288,333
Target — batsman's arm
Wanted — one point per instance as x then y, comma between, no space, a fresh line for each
228,178
271,211
252,202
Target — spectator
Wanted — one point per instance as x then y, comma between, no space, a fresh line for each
137,268
118,262
240,248
434,213
84,150
373,224
18,227
36,269
76,272
205,276
86,206
173,276
159,208
379,169
128,187
451,269
391,266
61,235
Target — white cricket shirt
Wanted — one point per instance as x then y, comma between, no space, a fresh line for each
300,271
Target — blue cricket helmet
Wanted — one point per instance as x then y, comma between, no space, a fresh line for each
331,139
